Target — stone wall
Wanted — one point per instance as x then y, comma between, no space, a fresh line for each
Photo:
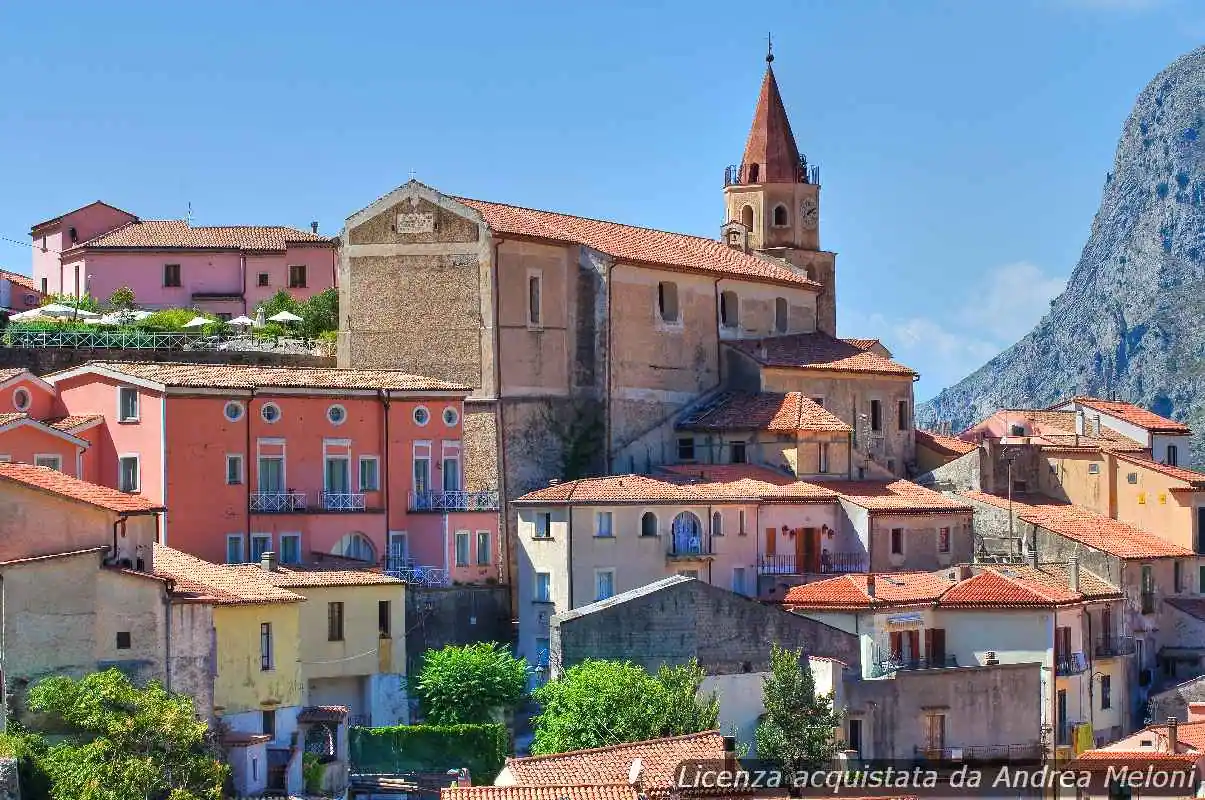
42,361
454,615
1174,702
963,474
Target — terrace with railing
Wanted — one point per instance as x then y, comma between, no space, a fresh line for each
342,501
997,753
123,339
889,664
279,502
293,502
827,563
1115,646
454,501
746,174
408,570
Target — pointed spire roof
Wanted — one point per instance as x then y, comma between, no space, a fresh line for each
771,145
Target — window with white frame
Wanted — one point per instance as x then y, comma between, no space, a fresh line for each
451,416
543,526
370,479
603,524
422,468
127,404
399,549
270,468
543,592
232,411
336,414
485,555
604,583
290,548
269,412
21,399
717,524
235,554
129,477
451,466
462,548
421,415
234,469
51,460
260,543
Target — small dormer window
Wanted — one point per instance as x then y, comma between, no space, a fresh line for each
1018,430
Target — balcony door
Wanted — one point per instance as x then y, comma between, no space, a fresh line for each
688,533
271,475
338,475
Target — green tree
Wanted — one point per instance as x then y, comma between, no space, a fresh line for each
126,742
798,728
320,313
122,299
281,301
466,684
599,703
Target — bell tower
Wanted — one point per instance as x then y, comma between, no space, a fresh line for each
773,197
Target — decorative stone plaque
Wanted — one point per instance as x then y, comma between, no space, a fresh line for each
416,223
464,259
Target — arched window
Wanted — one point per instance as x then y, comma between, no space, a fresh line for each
356,545
687,533
754,172
648,524
781,317
747,217
717,524
729,309
780,216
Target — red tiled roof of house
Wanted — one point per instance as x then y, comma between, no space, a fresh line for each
1136,760
945,445
176,234
1133,414
1001,587
73,421
681,483
1091,585
860,343
608,765
639,245
816,351
222,584
81,208
246,376
850,591
8,374
24,281
606,791
1085,526
1194,479
299,576
51,480
1188,733
767,411
898,496
12,416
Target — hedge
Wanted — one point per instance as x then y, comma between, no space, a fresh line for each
431,748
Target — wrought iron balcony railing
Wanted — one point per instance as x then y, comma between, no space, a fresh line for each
828,563
454,501
885,666
342,501
407,570
278,502
1068,664
1031,751
1115,646
689,548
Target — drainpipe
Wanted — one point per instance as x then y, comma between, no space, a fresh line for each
607,369
247,472
243,271
383,394
168,587
113,552
716,291
499,438
569,551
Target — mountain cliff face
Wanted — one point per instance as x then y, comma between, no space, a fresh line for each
1131,322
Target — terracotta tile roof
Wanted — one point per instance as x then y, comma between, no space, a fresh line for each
24,281
65,554
684,484
298,576
607,791
1194,479
51,480
176,234
898,496
1002,587
8,374
1133,414
608,765
816,351
322,714
245,376
242,739
1084,526
70,423
633,244
223,584
945,445
1091,585
12,416
1192,606
1138,760
850,592
1187,733
81,208
792,411
861,344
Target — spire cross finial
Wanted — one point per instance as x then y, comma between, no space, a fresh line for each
769,49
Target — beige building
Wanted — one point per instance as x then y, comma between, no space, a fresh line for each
588,341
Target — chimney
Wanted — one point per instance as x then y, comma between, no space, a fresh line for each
870,585
1079,423
1096,425
1033,553
1073,573
314,226
1196,712
1173,735
268,561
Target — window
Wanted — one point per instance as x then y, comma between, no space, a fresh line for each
233,411
822,458
262,279
451,417
21,399
876,415
297,276
543,587
234,469
935,731
422,474
904,418
1132,477
1178,576
648,524
781,314
451,470
127,404
123,640
717,524
897,541
462,548
738,581
1173,455
370,480
741,522
602,524
128,479
543,652
604,583
686,448
747,211
290,548
1094,468
336,414
385,618
265,646
533,300
484,556
271,475
268,722
781,220
729,310
171,274
943,540
334,622
854,737
1106,691
543,525
667,301
269,412
234,548
1021,486
1200,540
737,453
356,545
421,415
260,543
49,461
1148,589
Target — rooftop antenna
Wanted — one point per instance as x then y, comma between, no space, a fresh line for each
188,218
769,49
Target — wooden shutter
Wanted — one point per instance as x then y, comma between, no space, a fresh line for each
914,645
896,644
771,544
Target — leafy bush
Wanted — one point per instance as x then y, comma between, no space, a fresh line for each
270,330
85,302
123,298
29,749
318,314
312,772
467,684
482,749
331,337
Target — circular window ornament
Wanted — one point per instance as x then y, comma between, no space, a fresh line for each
21,399
451,417
270,412
421,415
336,414
233,410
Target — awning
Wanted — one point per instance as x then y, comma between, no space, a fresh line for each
322,714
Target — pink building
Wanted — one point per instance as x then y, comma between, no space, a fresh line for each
228,270
18,292
364,464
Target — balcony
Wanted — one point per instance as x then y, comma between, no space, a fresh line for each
991,753
827,564
407,570
454,501
1066,665
1114,646
278,502
341,501
746,174
886,666
687,548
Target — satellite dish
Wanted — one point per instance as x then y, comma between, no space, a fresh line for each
635,772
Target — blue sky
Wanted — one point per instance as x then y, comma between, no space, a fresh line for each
963,143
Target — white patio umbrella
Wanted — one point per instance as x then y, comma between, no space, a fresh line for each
241,322
284,316
197,322
54,310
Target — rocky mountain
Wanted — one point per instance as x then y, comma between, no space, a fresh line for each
1131,322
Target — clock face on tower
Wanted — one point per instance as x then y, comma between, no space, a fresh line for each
809,214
